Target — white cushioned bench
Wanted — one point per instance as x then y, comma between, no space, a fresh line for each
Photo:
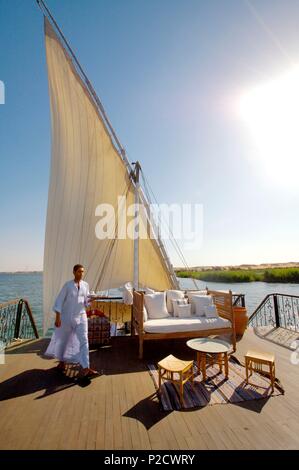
175,325
195,326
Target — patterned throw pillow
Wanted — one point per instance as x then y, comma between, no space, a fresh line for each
176,303
184,311
211,311
172,295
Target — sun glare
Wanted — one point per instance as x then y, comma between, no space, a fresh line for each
271,114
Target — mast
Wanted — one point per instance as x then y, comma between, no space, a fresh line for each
136,237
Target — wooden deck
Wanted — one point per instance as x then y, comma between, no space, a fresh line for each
39,409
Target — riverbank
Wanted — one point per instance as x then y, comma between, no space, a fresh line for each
271,275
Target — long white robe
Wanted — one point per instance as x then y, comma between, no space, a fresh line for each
69,342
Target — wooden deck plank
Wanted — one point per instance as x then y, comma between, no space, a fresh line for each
130,383
143,386
109,435
139,390
116,414
100,413
126,428
196,442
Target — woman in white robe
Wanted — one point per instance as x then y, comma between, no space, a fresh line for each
69,342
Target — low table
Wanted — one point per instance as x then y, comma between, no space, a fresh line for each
210,351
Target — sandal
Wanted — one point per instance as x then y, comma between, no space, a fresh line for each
60,367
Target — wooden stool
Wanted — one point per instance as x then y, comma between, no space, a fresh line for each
254,361
170,366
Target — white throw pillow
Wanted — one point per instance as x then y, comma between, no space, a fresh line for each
147,290
175,304
170,296
190,295
211,311
155,305
200,302
184,311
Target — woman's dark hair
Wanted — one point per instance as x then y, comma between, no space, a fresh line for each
76,267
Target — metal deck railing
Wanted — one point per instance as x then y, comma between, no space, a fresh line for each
16,322
277,310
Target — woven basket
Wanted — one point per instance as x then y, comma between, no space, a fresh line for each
98,330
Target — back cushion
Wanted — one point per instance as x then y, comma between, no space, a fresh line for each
172,295
155,305
200,302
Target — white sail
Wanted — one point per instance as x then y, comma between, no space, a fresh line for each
86,170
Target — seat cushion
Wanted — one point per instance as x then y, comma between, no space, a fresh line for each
176,325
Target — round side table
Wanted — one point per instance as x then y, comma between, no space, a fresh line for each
210,351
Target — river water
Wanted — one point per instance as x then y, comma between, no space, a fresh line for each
29,286
254,292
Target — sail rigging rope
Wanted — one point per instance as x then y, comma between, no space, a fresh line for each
175,244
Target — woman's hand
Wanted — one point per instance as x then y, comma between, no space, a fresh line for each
57,320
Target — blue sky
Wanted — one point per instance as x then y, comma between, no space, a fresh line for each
169,74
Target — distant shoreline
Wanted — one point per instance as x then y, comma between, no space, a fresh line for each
21,272
271,273
209,268
243,267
